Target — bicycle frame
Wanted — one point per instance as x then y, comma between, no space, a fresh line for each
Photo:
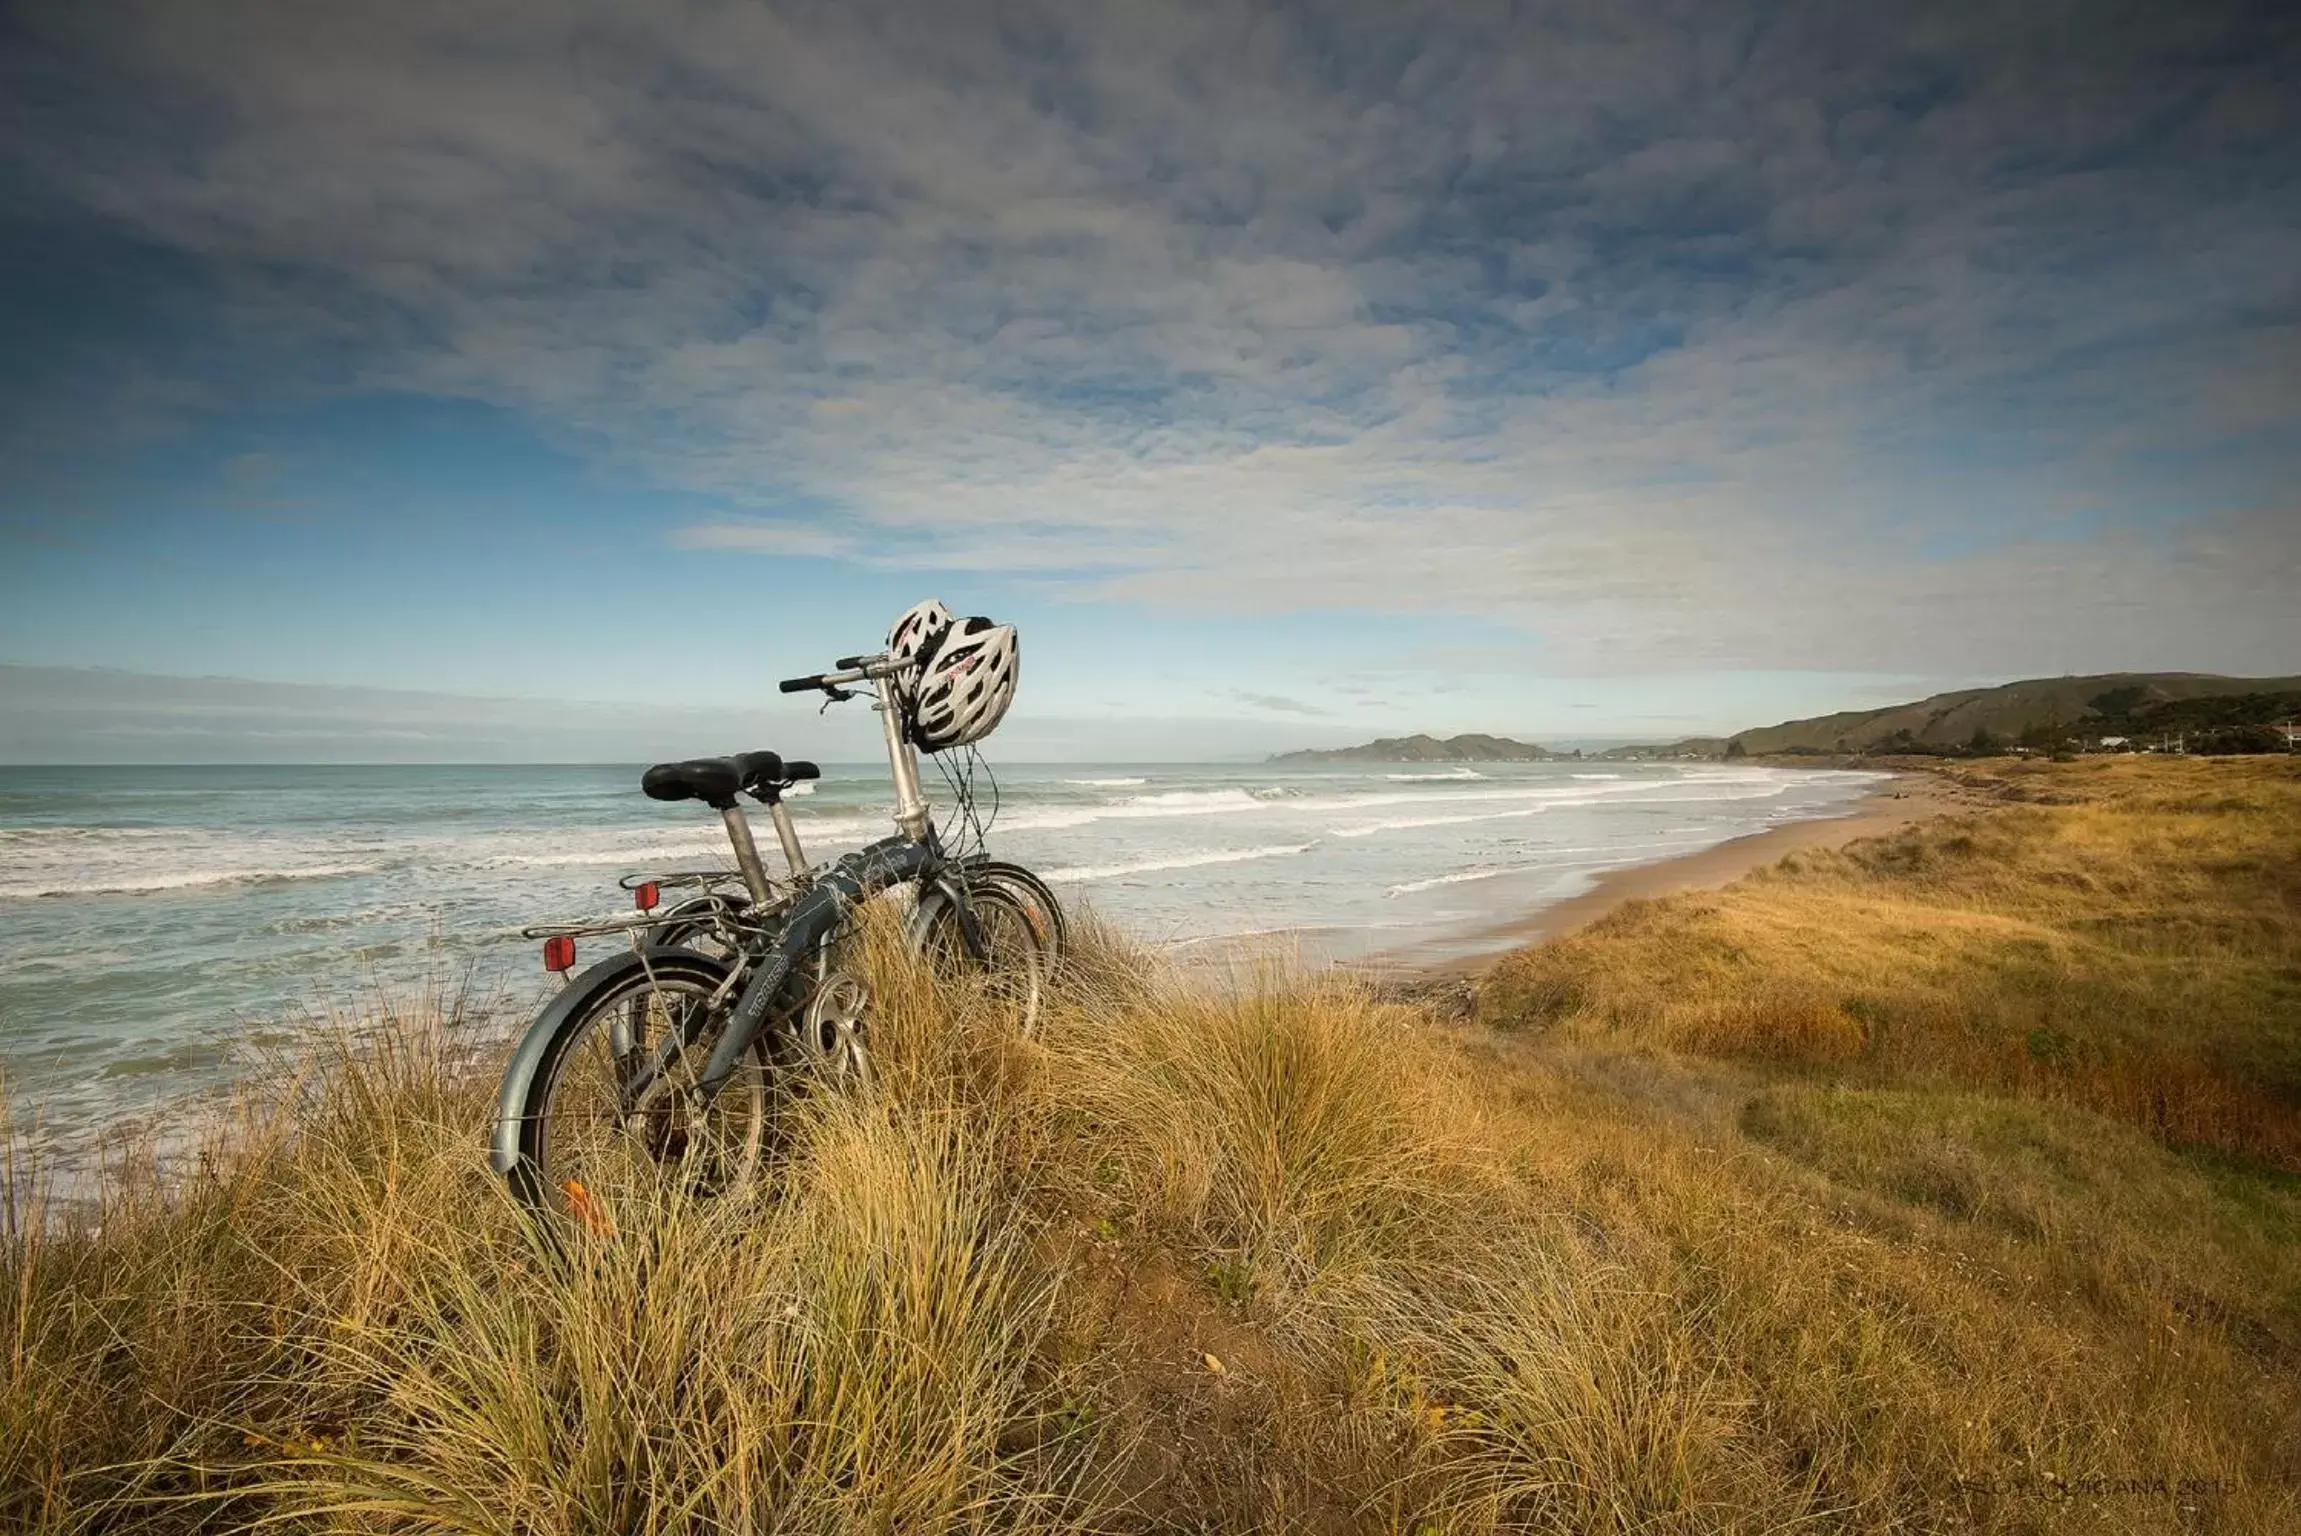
804,921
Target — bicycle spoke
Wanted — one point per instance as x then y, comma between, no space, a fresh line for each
599,1141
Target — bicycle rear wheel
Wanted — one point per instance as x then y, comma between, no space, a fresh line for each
585,1142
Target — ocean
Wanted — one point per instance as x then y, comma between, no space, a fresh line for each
156,921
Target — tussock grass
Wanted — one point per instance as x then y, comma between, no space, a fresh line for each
1273,1256
1295,1131
2125,935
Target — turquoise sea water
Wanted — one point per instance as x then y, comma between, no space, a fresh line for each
154,920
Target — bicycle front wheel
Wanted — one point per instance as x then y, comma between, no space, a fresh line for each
586,1138
1017,958
1046,910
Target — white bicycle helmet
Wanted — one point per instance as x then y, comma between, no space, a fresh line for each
966,681
919,629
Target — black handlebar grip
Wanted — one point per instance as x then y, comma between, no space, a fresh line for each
848,662
801,684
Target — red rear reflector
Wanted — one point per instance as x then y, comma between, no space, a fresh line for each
644,897
559,952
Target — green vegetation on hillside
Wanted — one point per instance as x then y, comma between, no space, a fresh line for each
2038,712
1839,1200
2225,723
2209,714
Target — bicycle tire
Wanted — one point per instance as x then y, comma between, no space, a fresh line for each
535,1129
1036,893
1020,965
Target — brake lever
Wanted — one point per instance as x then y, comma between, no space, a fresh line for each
834,695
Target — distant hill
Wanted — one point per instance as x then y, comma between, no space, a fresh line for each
1643,751
2037,710
2079,705
1427,749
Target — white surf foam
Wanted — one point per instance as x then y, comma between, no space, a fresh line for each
1180,802
1406,823
1422,778
655,853
1641,853
153,881
1106,783
1462,876
582,847
1229,936
1546,800
1285,800
35,837
64,861
1496,871
1179,861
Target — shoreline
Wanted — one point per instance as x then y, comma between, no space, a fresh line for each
1904,800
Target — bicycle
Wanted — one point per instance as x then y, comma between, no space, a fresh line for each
679,1053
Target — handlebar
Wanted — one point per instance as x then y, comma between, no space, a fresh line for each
851,669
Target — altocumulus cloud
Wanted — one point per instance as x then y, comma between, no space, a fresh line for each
1896,338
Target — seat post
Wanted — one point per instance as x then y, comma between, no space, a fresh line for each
786,834
746,852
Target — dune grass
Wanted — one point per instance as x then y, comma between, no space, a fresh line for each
1279,1256
2123,933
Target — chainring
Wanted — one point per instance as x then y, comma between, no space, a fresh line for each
834,1032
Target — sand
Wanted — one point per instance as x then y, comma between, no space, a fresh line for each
1903,801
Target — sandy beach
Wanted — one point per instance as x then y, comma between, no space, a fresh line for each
1906,799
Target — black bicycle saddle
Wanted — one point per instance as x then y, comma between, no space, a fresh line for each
716,781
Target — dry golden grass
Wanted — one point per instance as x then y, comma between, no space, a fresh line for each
2124,934
1278,1257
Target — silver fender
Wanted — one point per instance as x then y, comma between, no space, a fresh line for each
1014,876
938,896
527,1056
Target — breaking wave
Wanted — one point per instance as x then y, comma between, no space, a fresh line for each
1179,861
1642,853
44,862
153,881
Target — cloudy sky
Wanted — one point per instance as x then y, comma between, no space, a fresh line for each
1289,372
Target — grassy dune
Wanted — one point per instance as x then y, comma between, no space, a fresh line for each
1942,1183
2124,934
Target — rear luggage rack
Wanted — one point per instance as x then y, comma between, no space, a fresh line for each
683,878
